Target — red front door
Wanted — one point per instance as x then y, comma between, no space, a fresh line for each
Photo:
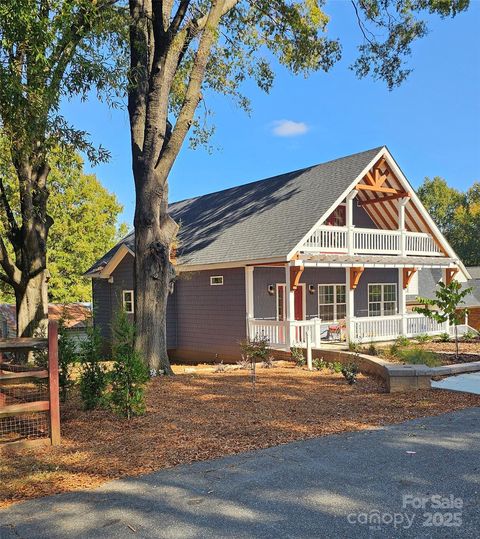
299,303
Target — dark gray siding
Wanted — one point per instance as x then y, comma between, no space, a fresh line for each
264,304
211,319
361,217
107,299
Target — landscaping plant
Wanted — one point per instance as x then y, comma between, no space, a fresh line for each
297,356
129,374
350,372
418,356
445,306
67,356
93,379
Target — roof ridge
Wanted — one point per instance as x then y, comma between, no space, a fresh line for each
378,148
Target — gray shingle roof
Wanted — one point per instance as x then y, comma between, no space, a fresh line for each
262,219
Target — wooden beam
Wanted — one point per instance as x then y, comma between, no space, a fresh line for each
355,274
384,199
24,408
295,274
408,273
273,264
369,178
53,383
375,188
450,274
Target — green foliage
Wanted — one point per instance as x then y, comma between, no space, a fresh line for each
129,374
350,372
353,346
447,300
401,340
372,350
444,337
470,335
319,363
84,228
418,356
423,338
457,214
335,367
256,350
93,379
297,356
67,356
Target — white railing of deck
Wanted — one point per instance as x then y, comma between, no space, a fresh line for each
276,331
333,239
386,328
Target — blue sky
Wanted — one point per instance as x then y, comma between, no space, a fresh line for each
431,123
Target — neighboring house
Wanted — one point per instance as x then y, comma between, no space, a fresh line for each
428,281
77,317
303,253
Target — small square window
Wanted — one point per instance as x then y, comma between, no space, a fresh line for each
216,280
128,303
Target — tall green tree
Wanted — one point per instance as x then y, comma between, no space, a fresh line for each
50,50
457,214
182,50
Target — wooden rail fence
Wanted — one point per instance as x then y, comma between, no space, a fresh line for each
29,395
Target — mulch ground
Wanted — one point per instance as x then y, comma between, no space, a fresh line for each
198,416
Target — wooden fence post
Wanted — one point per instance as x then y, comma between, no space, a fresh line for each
53,384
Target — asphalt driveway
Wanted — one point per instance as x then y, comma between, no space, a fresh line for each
417,479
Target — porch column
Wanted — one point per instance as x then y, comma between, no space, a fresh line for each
289,308
401,225
402,300
350,305
249,296
349,222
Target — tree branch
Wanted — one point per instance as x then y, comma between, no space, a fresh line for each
8,210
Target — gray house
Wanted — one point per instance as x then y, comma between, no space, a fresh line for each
332,251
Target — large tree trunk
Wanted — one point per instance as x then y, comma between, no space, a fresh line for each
154,273
32,307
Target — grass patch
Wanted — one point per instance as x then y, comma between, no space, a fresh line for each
418,356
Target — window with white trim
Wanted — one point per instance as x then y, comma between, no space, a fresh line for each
127,300
216,280
332,302
382,299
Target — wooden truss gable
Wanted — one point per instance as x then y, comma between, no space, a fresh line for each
380,193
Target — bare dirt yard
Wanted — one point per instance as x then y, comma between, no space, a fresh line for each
203,415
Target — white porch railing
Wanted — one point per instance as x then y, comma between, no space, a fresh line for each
277,331
332,239
386,328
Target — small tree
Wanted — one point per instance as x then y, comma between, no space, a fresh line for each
93,379
129,373
448,297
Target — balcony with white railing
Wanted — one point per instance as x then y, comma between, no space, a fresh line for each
359,241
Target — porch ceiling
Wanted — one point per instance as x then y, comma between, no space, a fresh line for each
371,261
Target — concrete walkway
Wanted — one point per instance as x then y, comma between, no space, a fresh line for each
324,487
469,383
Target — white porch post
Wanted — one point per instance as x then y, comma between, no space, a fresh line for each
350,305
401,226
402,301
249,296
289,308
349,222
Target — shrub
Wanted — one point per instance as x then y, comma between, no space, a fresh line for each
256,349
350,372
372,350
470,335
297,356
401,341
353,346
67,356
419,356
444,337
423,338
93,380
319,364
129,374
335,367
244,363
